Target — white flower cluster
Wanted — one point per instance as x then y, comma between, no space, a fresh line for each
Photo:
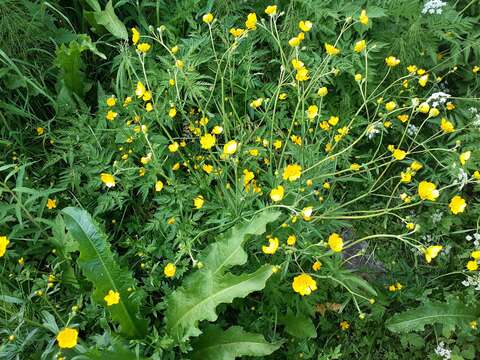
473,281
372,130
433,7
476,114
438,98
437,216
412,129
442,351
475,236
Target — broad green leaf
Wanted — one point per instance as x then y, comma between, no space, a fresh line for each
453,313
99,266
356,283
218,344
111,22
228,250
299,326
202,292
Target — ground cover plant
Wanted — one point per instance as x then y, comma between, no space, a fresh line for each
217,180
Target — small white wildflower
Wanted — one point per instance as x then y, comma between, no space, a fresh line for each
442,351
437,216
438,98
411,129
433,7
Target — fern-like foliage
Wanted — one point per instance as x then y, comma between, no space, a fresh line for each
99,266
204,290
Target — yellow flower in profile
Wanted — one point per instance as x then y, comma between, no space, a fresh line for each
424,108
158,186
272,246
146,159
207,18
67,338
207,168
175,49
295,41
316,265
297,64
144,47
147,96
331,50
230,147
359,46
464,157
415,166
428,191
434,112
291,240
302,74
112,298
476,175
475,254
135,36
304,284
412,69
472,265
198,202
399,154
247,176
149,107
256,103
312,112
173,147
111,115
403,118
305,25
251,23
423,80
217,130
277,194
457,205
207,141
307,213
3,245
363,17
354,167
271,10
170,269
406,177
140,90
111,101
277,144
322,91
179,64
447,126
431,252
335,242
108,180
292,172
237,32
172,112
51,204
392,61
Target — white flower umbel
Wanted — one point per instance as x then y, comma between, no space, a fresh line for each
442,351
438,98
433,7
412,129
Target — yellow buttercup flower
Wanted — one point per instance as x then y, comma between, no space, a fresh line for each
405,177
111,101
173,147
322,91
198,202
297,64
40,131
431,252
111,115
359,46
277,194
291,240
158,186
446,126
51,204
147,96
237,32
307,213
67,338
207,141
415,166
292,172
140,90
170,269
316,265
302,74
434,112
457,205
335,242
363,17
149,107
175,49
399,154
464,157
358,77
472,265
424,108
390,106
135,36
3,245
331,50
256,103
251,23
475,254
127,101
304,284
179,64
295,41
272,246
271,10
403,118
108,180
144,47
355,167
312,112
305,25
428,191
412,69
392,61
476,175
247,176
112,298
230,147
172,112
217,130
423,80
207,18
